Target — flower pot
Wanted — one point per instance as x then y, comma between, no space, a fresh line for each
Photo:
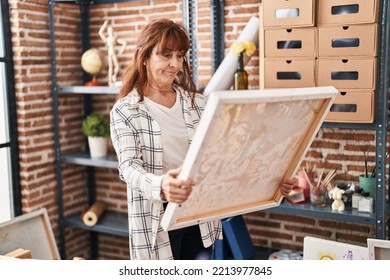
368,184
97,146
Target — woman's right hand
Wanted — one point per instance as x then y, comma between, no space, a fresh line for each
174,189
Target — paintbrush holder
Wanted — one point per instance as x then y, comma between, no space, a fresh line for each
368,184
318,196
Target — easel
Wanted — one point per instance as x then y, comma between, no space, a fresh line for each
236,241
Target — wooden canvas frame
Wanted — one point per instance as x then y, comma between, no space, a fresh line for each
31,232
245,144
378,249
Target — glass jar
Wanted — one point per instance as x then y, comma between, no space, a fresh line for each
318,196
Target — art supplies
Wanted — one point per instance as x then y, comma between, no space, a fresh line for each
91,215
319,185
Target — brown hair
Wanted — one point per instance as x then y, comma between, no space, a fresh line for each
166,34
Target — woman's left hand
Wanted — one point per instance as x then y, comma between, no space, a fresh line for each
286,185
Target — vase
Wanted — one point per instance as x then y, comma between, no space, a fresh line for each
97,146
240,78
368,184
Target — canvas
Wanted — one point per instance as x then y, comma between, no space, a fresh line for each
31,232
245,144
323,249
378,249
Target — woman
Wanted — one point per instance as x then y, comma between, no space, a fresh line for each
152,125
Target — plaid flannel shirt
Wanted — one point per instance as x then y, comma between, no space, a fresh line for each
136,138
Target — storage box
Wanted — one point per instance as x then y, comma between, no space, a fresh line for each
348,40
288,13
348,73
288,73
336,12
290,42
353,106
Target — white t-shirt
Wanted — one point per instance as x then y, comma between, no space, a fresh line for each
173,132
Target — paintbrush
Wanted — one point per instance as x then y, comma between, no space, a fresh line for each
307,178
365,163
329,178
319,181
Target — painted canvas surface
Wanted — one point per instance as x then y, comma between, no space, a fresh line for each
246,142
323,249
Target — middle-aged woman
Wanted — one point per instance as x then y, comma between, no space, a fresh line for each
152,125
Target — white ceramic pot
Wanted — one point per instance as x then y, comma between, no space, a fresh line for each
97,146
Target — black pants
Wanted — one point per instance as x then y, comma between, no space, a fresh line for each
186,244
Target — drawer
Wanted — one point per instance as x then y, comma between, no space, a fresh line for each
353,106
290,42
351,73
336,12
289,73
348,40
288,13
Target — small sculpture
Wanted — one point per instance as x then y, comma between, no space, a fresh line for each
337,195
111,40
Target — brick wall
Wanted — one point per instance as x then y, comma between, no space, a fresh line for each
34,114
332,148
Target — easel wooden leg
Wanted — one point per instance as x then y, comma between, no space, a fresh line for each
236,241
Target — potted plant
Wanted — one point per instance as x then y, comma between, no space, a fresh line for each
97,129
